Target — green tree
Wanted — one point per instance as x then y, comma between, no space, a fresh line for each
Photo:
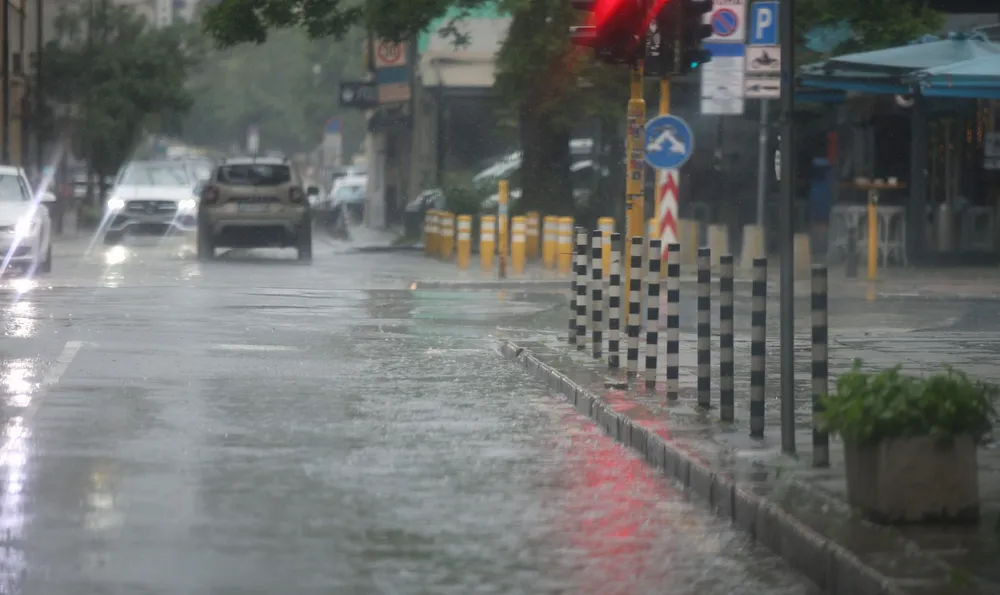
121,77
286,87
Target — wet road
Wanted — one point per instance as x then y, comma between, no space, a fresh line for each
259,426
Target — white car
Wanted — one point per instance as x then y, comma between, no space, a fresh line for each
25,226
152,198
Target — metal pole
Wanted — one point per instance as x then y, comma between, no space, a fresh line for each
765,117
39,101
787,281
635,199
5,115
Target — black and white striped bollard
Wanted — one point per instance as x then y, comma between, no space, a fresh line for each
572,306
632,325
704,328
758,346
727,367
820,363
615,301
597,292
581,288
673,321
652,311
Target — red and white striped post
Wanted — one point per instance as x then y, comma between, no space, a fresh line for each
667,194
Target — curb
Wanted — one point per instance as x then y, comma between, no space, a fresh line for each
831,567
380,249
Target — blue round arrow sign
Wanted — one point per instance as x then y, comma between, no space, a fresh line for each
669,142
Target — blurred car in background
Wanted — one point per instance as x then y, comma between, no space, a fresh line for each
151,198
25,226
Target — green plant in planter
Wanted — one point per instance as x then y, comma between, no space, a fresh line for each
869,407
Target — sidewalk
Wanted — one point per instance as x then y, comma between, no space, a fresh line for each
796,510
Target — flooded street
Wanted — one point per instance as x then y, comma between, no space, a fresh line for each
254,425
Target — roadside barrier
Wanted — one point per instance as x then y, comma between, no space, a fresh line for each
596,293
565,256
634,322
581,288
673,321
487,241
652,311
517,245
758,346
727,368
704,328
531,235
607,227
431,233
446,229
615,301
463,251
820,363
643,314
550,241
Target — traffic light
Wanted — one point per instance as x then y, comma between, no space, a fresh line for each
615,29
693,32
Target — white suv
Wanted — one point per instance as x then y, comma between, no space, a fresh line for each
152,198
25,226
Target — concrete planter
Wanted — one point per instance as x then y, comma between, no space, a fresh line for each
914,480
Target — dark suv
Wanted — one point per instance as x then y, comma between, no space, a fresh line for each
255,202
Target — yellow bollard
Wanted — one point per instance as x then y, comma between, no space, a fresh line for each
464,244
872,235
446,231
518,244
487,241
431,233
607,227
550,241
502,230
565,244
652,230
531,235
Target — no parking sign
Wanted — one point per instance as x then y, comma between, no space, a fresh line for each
728,21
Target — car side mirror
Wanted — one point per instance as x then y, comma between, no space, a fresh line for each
48,197
312,191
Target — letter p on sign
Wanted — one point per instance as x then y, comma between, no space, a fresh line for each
764,16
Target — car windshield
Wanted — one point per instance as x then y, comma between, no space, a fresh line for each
12,189
254,174
156,175
353,192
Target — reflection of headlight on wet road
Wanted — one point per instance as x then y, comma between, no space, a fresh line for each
25,227
116,204
188,204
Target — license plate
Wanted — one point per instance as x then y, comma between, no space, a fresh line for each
249,207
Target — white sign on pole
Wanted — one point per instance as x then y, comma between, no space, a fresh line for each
722,85
722,77
763,59
763,87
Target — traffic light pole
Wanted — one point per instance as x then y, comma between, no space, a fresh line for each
786,20
635,191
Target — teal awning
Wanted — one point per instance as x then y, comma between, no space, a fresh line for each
918,56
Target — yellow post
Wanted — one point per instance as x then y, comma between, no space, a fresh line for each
487,241
565,245
607,227
504,200
431,233
464,244
635,172
531,235
518,244
446,230
550,241
872,235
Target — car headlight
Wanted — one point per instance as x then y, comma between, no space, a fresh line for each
26,227
115,204
188,204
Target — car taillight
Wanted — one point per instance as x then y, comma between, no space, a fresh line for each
209,195
295,194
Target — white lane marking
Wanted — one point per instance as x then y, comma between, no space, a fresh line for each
62,363
230,347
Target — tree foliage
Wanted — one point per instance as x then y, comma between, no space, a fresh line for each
286,87
120,76
874,25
